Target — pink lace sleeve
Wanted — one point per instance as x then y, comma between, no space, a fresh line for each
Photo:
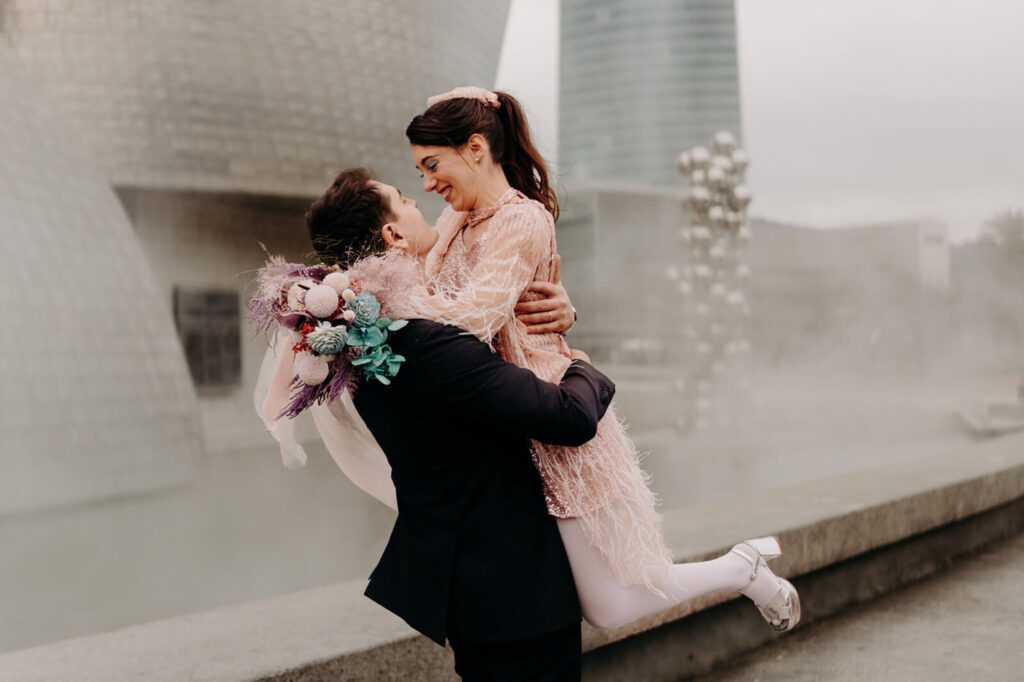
518,244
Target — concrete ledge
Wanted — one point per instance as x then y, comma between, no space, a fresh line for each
310,635
829,520
849,536
696,645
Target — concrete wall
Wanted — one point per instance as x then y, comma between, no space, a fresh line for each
213,241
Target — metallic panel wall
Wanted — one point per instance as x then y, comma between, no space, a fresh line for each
642,81
255,96
95,399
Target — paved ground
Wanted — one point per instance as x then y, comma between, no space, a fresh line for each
966,623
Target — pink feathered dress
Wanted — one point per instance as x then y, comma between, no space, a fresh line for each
600,483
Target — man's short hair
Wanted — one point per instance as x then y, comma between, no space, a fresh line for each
345,223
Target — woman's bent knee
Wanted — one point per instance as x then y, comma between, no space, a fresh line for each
606,619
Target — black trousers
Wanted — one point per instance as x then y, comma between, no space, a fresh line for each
554,657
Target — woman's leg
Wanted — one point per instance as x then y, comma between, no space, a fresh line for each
608,604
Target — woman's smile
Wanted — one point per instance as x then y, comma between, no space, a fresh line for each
447,172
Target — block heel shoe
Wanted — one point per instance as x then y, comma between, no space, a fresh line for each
782,610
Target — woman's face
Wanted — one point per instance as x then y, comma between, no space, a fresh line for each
450,172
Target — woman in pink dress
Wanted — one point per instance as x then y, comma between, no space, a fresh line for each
473,147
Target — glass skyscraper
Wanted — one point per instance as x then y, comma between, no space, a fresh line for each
642,81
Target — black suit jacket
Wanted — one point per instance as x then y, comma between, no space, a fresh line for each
474,555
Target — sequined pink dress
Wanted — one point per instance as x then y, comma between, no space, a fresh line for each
600,483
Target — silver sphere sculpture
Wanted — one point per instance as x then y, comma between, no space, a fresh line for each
723,142
712,284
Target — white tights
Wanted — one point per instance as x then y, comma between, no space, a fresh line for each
608,604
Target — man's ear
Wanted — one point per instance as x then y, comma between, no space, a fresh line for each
393,238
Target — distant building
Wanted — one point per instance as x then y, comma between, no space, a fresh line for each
934,254
642,81
859,295
912,252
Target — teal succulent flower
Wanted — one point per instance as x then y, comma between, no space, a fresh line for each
380,364
366,308
327,339
368,335
365,337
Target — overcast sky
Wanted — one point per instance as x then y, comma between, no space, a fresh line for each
853,110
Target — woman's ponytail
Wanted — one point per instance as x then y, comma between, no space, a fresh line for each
523,165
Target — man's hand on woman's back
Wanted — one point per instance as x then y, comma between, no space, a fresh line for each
553,313
576,354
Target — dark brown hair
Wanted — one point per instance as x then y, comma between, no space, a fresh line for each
451,123
344,224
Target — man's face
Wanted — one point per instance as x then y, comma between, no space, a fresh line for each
411,230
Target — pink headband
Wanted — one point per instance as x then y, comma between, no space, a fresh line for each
485,97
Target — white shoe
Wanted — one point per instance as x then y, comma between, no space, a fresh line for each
782,611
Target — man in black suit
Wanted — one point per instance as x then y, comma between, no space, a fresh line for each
474,556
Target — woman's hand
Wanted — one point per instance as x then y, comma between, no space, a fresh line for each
554,313
577,354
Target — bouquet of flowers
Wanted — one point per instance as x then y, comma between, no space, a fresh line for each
336,327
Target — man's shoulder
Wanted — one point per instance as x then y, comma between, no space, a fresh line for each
424,337
419,329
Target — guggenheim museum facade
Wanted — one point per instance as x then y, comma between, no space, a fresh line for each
152,150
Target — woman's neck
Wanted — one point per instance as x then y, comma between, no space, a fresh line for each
492,188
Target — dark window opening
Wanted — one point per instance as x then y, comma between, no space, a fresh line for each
208,325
